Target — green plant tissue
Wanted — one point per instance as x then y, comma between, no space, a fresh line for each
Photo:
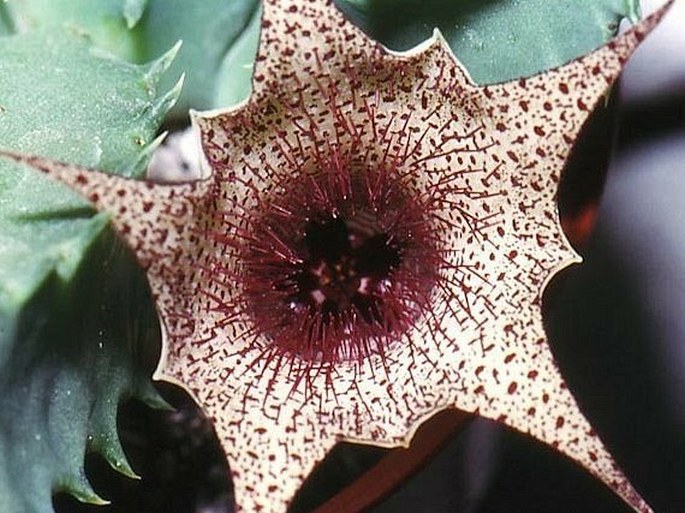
75,313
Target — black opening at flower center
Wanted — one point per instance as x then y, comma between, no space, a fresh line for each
347,268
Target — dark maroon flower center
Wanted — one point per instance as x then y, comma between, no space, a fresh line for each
338,267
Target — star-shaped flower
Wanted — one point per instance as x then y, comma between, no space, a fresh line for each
370,247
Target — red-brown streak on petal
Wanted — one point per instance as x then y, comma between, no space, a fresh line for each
435,53
302,37
148,216
271,488
163,224
550,109
539,385
537,121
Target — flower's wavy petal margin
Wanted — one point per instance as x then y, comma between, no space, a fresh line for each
484,350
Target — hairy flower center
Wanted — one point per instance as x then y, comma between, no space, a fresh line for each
339,264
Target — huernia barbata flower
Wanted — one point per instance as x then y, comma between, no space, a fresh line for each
370,247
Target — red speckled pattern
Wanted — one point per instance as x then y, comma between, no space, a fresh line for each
485,162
